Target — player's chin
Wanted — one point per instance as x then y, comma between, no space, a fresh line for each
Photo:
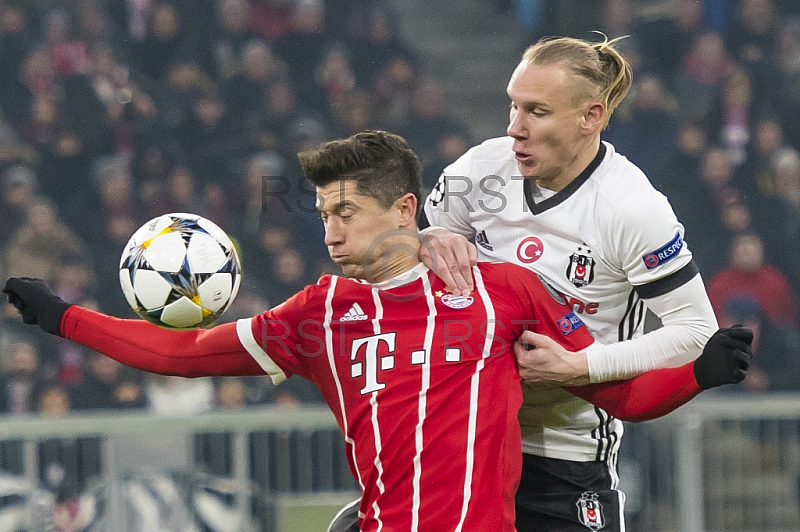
527,169
351,270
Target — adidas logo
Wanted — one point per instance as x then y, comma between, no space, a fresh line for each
482,241
354,314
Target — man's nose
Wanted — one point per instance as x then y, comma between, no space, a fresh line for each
333,233
516,127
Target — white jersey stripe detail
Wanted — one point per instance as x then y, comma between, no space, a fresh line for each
473,396
423,401
332,364
621,496
373,401
244,329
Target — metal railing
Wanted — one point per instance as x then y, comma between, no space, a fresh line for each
723,462
244,457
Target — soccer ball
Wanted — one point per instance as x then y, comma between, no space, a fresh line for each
180,271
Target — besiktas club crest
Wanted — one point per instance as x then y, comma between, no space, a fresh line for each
580,270
590,511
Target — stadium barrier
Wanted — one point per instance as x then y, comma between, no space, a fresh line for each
263,470
722,463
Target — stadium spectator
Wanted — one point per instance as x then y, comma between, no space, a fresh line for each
733,114
244,88
21,378
356,113
748,274
787,177
428,120
697,205
39,244
177,396
166,40
705,66
15,44
683,165
17,194
229,393
649,130
394,90
450,146
108,385
775,347
757,174
234,33
333,81
271,18
787,101
380,43
752,38
665,40
302,47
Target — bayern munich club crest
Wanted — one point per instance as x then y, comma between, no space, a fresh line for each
580,270
456,302
590,511
530,250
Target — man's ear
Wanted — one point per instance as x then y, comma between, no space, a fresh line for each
593,118
406,209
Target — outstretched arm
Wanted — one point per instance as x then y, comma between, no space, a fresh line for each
651,395
725,360
136,343
688,323
139,344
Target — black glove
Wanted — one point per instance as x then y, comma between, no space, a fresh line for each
36,302
725,359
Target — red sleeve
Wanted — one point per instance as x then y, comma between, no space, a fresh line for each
292,335
551,316
142,345
648,396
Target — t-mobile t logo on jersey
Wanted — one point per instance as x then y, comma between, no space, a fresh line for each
369,367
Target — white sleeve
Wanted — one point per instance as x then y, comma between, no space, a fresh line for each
451,201
688,322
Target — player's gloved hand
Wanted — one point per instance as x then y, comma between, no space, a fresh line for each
36,302
725,358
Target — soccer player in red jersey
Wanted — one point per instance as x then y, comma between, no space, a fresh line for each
423,382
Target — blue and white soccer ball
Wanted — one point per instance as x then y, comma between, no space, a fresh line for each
180,271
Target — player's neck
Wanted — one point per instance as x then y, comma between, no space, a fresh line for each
394,266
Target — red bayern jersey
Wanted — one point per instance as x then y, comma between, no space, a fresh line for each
423,384
424,445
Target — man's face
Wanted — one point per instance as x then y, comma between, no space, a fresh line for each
358,231
546,123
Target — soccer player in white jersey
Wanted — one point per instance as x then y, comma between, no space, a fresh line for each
552,197
422,382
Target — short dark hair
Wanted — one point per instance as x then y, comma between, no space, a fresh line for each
382,164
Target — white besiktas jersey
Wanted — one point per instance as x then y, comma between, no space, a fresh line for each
594,241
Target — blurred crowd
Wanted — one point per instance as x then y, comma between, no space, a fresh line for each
115,111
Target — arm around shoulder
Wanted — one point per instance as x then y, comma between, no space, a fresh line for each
688,322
